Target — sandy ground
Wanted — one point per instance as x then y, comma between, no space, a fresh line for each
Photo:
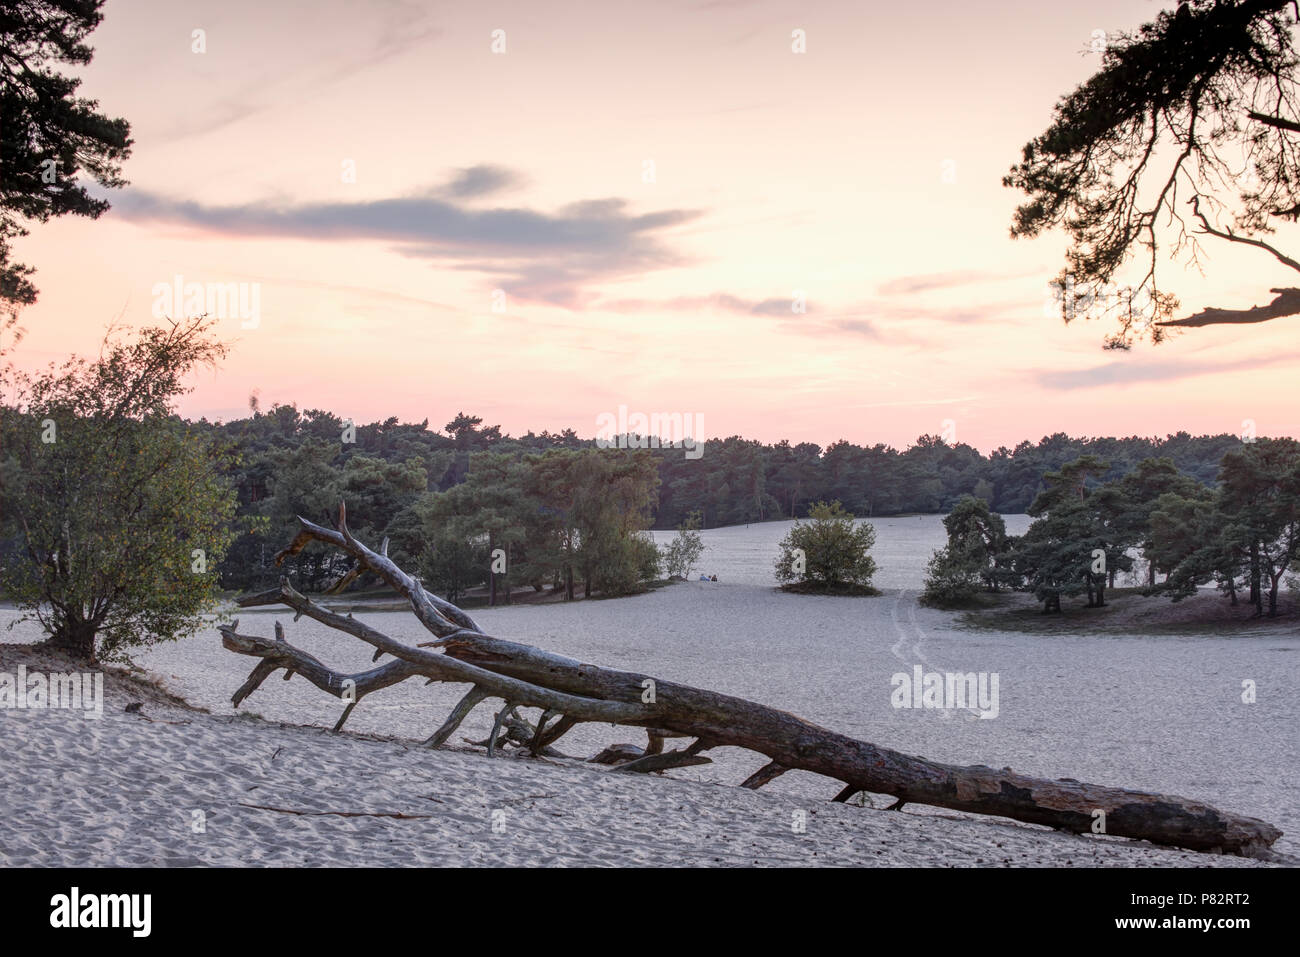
172,785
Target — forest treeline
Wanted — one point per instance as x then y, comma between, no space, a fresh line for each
121,522
1176,534
395,478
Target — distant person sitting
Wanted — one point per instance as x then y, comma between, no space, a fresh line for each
704,578
714,578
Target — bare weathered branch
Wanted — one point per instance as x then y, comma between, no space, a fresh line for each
544,739
768,772
443,667
458,714
1278,122
1287,303
662,762
1229,236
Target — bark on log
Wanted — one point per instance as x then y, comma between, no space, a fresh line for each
662,762
799,744
442,667
617,754
280,654
524,675
768,772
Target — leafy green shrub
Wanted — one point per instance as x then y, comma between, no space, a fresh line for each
829,553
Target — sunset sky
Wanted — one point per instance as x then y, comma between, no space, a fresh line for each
865,173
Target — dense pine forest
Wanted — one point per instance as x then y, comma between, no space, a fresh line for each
286,462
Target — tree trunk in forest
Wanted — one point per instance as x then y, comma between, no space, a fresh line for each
570,692
1256,591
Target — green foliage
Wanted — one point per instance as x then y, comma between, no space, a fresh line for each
628,562
974,558
1244,535
598,500
293,463
119,507
1072,546
680,556
951,580
559,518
829,552
1185,539
490,514
1133,498
1259,498
977,538
452,565
648,563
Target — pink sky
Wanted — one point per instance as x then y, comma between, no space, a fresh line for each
523,171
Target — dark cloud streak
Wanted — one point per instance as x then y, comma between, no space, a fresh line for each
481,180
548,257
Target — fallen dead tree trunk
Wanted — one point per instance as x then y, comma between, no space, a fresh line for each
569,692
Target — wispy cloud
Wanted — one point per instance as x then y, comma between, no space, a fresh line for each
1121,372
811,321
848,326
346,289
320,57
881,321
907,403
716,302
549,257
912,285
857,327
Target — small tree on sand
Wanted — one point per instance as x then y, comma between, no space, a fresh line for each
118,505
683,553
977,544
952,579
829,553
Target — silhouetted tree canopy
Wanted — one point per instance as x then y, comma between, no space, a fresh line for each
48,135
1188,131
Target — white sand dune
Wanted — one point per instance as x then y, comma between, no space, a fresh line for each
128,789
1151,713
